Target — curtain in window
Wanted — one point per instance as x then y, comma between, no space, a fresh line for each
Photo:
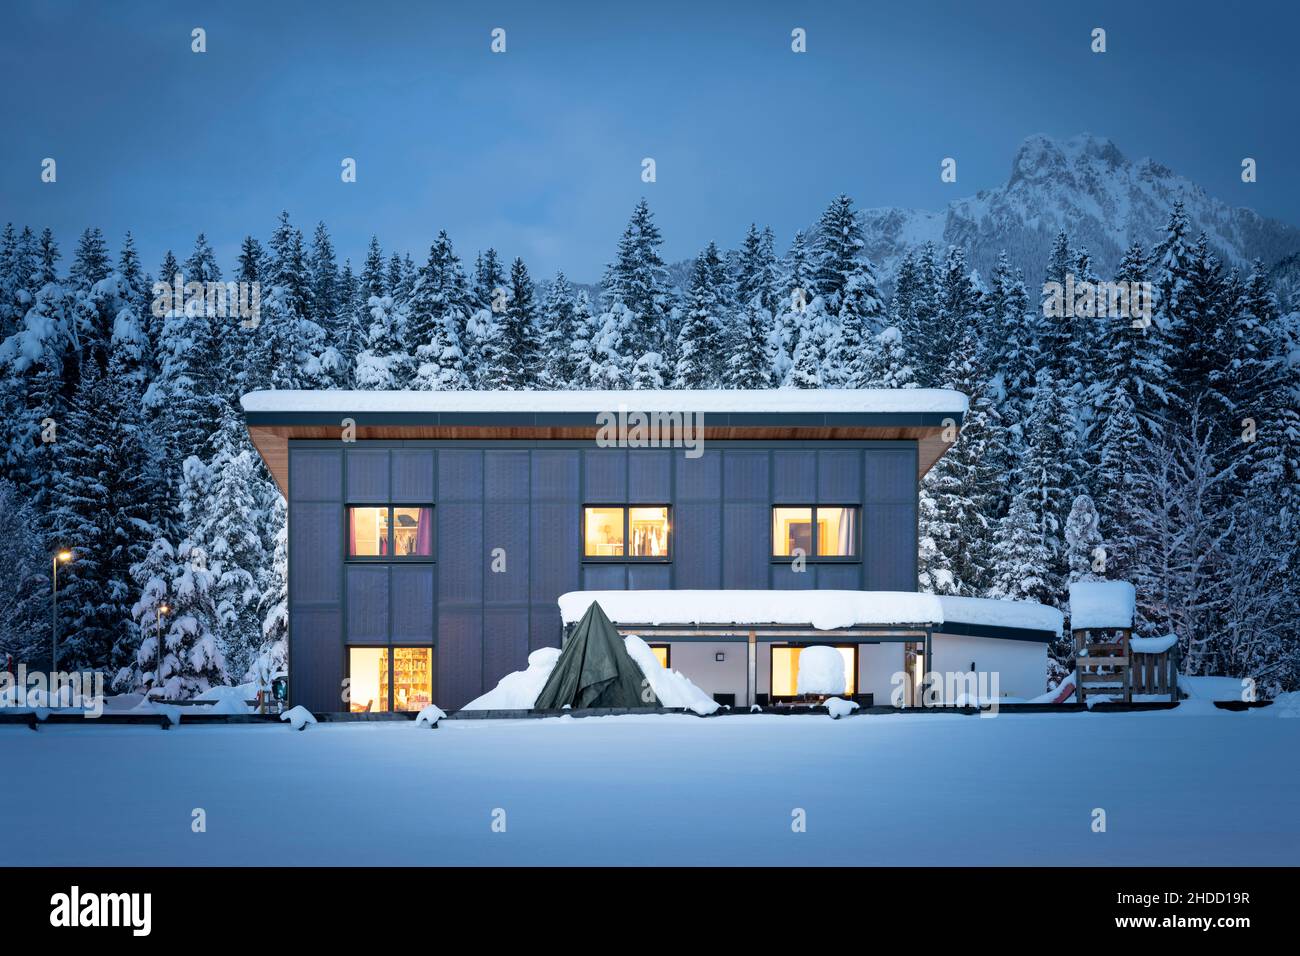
424,533
845,531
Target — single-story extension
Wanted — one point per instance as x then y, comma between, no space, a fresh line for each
432,536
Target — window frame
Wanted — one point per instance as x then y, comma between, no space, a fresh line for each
814,557
390,557
391,650
626,558
771,667
668,653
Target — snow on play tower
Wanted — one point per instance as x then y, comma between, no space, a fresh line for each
1109,660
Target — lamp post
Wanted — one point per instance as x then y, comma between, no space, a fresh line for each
62,557
163,609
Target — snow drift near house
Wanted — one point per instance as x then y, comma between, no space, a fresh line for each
519,690
824,610
1101,604
429,717
821,671
673,688
298,717
1212,688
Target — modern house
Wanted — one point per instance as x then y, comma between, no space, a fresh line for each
432,535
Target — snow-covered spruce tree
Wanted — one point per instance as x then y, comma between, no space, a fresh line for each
751,347
25,569
179,398
1009,345
888,363
607,364
191,652
1083,542
815,334
756,271
488,361
1022,554
372,279
837,248
437,314
352,326
323,279
915,311
385,362
490,290
272,657
563,326
701,338
860,318
519,330
648,372
103,495
1045,481
224,524
582,349
639,279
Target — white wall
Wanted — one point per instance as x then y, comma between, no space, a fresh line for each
1021,666
695,659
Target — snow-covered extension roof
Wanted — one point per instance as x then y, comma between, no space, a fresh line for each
1101,604
706,401
822,610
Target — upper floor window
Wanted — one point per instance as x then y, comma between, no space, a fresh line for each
390,531
822,531
625,532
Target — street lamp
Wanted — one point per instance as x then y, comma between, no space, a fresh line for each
62,557
163,609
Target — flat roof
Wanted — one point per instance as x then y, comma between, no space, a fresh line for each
922,415
768,401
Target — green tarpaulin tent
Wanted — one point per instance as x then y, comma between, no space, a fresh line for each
595,670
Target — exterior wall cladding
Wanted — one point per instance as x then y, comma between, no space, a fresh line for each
527,497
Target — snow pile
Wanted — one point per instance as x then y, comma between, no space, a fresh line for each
1101,604
298,717
839,707
1212,688
824,610
1152,645
821,671
672,688
429,717
519,690
1059,694
228,700
1287,704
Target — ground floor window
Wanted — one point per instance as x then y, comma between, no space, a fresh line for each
785,669
382,679
664,653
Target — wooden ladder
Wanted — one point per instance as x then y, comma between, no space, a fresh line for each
1105,667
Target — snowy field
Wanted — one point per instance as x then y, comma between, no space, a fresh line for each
1191,786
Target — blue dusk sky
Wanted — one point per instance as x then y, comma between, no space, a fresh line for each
538,151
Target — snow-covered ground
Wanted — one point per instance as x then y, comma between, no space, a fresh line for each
1189,786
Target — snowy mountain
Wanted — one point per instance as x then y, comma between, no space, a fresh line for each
1086,187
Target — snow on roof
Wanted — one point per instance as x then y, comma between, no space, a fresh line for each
823,610
716,401
1101,604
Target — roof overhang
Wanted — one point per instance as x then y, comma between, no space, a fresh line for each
930,417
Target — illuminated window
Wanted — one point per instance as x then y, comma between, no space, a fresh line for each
367,679
792,531
825,531
648,532
390,532
785,669
412,678
663,653
626,533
